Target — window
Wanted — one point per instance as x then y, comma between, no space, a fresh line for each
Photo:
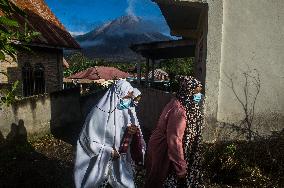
39,81
33,79
27,73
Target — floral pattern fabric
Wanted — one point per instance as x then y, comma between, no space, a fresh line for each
192,136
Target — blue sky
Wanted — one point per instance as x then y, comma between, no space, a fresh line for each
81,16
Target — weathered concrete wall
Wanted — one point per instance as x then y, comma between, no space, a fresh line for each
65,108
253,43
214,41
150,108
243,37
88,101
40,114
148,111
34,111
63,112
213,60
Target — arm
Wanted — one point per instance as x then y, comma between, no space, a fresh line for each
93,148
175,131
97,147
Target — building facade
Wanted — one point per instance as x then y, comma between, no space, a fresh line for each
239,58
39,70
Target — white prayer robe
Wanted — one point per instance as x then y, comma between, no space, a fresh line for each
103,129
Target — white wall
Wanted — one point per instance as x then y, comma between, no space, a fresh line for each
253,38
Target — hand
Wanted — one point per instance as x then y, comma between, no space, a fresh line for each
139,169
115,154
132,129
182,176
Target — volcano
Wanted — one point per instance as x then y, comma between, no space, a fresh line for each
112,39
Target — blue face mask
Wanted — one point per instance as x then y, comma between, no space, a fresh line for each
197,97
124,104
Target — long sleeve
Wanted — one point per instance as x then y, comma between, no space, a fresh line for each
98,147
175,130
93,148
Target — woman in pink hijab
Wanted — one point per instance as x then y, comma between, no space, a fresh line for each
173,157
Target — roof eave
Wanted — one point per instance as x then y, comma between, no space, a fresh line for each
49,46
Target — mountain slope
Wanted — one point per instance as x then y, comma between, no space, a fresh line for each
112,40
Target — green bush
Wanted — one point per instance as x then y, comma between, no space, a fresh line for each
7,96
249,164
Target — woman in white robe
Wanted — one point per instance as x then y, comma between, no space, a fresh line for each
100,137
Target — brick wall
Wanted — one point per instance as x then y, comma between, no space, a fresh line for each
51,59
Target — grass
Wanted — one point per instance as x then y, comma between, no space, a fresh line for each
259,163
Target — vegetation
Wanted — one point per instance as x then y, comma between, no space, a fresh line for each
8,96
79,62
180,66
11,41
11,36
257,163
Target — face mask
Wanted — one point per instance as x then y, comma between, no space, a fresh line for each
124,104
197,97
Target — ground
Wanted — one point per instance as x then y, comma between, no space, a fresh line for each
43,162
48,162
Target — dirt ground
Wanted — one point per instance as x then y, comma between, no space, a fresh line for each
48,162
44,162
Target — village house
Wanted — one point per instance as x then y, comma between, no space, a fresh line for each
93,77
238,57
41,70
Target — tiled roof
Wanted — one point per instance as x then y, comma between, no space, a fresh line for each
159,74
100,72
41,19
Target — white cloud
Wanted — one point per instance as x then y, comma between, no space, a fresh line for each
76,33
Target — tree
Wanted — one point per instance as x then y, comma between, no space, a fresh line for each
11,38
79,62
11,41
178,66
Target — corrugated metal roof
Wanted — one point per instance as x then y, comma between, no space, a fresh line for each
166,49
100,72
41,19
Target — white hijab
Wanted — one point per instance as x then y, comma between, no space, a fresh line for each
137,93
102,131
